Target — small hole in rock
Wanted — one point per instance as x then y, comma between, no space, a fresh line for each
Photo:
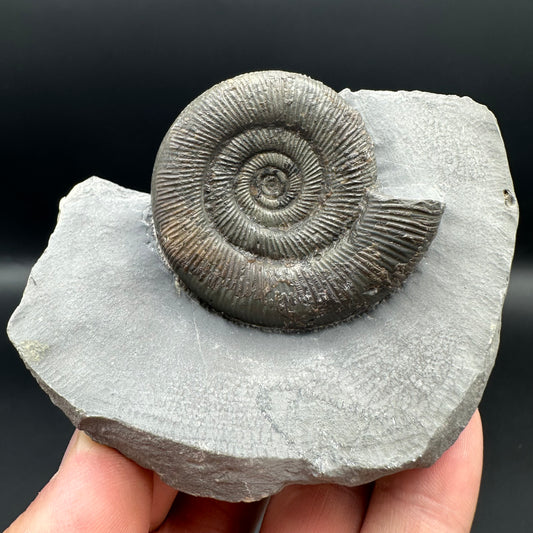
509,198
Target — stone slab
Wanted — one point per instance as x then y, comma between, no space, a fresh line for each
235,413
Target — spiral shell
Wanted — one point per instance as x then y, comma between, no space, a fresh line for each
263,205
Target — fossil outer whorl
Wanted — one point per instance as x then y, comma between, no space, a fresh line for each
263,205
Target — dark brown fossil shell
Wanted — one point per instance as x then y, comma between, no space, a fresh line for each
263,205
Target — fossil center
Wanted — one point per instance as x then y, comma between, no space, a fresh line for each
269,185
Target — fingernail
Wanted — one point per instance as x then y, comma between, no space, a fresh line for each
78,442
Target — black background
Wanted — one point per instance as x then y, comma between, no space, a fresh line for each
90,88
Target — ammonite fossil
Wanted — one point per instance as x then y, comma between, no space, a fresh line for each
264,205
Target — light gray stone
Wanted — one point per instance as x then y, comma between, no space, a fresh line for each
236,413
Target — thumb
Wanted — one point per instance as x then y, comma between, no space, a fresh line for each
95,489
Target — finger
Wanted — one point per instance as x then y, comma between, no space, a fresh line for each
193,514
96,489
163,497
438,499
316,508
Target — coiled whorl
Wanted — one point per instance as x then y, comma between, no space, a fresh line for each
262,205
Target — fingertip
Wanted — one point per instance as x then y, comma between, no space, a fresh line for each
440,498
314,508
163,497
460,467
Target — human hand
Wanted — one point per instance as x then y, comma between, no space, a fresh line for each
98,490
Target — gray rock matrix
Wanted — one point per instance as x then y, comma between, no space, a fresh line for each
236,413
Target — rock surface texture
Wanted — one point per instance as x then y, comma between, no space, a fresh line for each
236,413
